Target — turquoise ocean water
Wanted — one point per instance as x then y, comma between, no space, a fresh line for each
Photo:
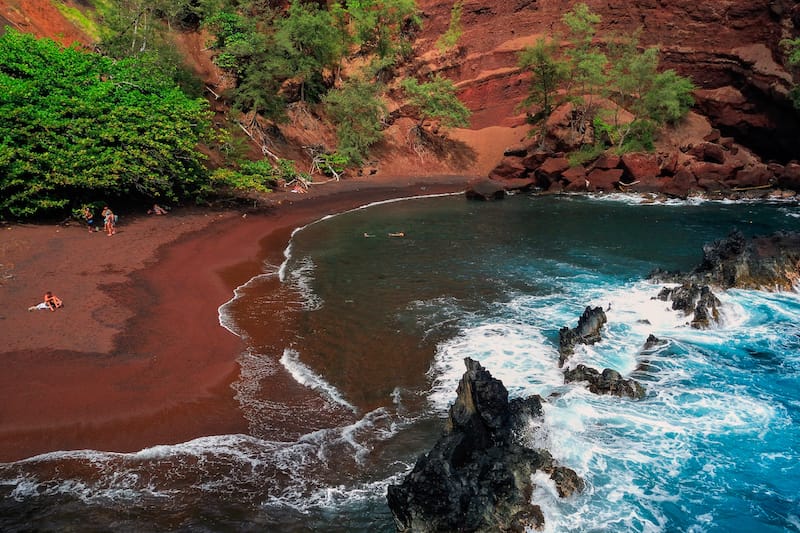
356,344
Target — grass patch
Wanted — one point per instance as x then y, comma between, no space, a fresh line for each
586,153
85,21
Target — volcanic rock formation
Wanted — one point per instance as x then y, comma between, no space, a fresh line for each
477,477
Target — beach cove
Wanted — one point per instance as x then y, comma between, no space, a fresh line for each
137,357
350,343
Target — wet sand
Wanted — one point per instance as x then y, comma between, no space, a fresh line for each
137,356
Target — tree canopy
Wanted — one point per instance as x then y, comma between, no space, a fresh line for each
619,69
78,126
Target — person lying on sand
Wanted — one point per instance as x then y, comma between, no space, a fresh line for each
51,302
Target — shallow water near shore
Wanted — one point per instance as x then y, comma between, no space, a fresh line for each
356,345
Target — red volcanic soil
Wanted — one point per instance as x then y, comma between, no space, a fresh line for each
42,19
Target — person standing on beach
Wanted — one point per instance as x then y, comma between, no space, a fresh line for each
89,216
108,221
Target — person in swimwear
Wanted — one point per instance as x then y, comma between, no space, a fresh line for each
51,302
89,216
108,221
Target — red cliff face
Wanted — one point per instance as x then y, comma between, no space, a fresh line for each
730,49
42,19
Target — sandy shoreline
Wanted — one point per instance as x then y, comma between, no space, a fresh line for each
137,356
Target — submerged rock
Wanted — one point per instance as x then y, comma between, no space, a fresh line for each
477,477
587,332
608,382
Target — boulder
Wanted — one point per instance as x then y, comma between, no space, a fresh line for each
485,189
789,177
680,185
639,166
668,163
754,176
607,382
535,159
604,180
477,477
552,168
575,174
560,131
607,161
709,152
509,168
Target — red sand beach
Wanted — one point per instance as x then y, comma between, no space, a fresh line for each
137,356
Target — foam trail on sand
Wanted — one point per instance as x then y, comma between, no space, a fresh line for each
308,378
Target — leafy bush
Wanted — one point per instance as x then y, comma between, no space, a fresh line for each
77,126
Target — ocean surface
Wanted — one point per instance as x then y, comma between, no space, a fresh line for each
355,345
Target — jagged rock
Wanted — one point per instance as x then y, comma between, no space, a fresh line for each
652,342
695,299
587,332
764,262
485,189
477,477
608,382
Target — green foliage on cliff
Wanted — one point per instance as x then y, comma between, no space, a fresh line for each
547,73
79,126
620,70
437,100
792,47
357,110
450,38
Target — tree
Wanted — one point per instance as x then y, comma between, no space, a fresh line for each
77,126
450,38
547,74
587,64
627,74
310,36
380,25
356,109
437,100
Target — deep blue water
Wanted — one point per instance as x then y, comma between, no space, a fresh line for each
374,330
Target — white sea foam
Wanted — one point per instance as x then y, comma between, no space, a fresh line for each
308,378
517,354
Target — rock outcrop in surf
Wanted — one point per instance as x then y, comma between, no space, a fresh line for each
608,381
478,475
587,332
693,299
763,262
